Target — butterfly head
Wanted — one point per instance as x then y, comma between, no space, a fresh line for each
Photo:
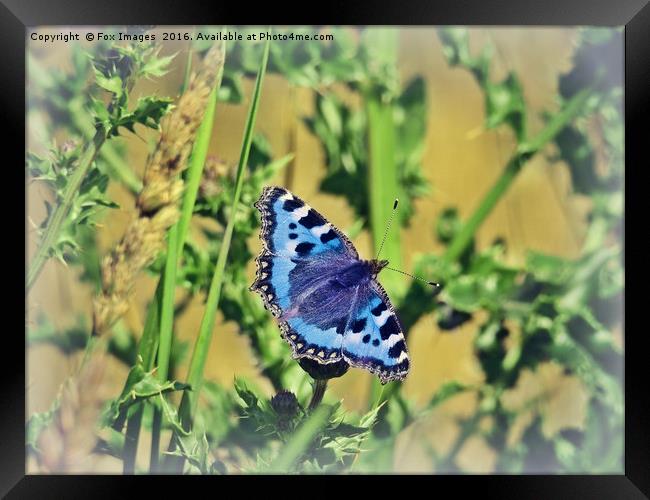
377,265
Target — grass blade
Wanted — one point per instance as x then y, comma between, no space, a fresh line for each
177,235
166,333
157,334
383,185
202,344
200,353
197,162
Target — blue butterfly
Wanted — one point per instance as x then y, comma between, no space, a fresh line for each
328,302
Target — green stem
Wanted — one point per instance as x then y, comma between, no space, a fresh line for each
469,228
383,186
146,350
149,340
524,152
154,456
383,175
319,391
382,191
131,439
199,354
52,231
166,332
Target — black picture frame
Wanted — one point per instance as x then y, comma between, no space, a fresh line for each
16,16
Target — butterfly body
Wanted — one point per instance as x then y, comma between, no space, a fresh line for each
328,302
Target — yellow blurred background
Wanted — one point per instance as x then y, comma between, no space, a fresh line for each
461,161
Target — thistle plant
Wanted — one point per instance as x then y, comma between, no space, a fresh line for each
115,73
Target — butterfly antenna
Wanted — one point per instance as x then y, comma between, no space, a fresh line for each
390,221
432,283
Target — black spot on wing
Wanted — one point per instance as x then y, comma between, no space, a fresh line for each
397,349
292,225
304,248
293,236
389,328
375,342
379,309
328,236
340,326
291,205
366,338
311,220
358,325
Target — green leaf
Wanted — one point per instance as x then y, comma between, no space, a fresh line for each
199,355
112,84
504,103
139,386
157,66
194,448
247,396
549,268
101,112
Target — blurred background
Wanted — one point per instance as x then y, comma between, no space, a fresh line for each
464,101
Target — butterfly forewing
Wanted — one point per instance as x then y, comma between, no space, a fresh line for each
291,228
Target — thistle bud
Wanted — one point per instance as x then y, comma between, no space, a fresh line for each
285,404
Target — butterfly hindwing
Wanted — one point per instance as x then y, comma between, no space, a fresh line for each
374,339
317,342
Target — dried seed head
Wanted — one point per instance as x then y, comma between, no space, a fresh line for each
67,443
158,201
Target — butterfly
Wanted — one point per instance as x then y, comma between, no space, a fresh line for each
327,301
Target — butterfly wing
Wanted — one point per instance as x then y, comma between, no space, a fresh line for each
301,251
373,338
291,228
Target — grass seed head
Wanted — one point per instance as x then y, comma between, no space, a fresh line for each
157,203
